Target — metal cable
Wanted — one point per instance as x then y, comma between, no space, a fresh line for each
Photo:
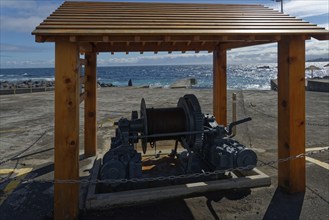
26,149
182,176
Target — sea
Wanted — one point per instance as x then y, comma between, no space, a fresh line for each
239,76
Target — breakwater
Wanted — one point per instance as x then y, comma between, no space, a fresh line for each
26,86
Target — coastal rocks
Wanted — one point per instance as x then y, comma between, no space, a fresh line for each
26,84
15,87
101,84
38,84
184,83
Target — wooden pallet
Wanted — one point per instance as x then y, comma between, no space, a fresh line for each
239,180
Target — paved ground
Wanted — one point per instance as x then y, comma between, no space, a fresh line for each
26,126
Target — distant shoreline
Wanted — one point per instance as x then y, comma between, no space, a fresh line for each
320,60
29,86
242,77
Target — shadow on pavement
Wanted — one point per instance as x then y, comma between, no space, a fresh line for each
229,194
170,209
30,200
284,206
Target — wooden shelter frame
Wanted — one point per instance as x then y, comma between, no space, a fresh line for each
93,27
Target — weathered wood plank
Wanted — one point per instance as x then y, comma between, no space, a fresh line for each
168,13
97,201
90,137
291,112
150,4
220,86
237,15
89,32
172,19
67,93
182,27
170,23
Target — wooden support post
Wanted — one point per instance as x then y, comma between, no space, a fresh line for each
67,95
90,136
291,112
219,86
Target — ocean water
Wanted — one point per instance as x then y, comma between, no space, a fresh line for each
244,76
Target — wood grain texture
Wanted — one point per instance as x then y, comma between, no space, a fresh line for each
291,113
220,86
67,95
90,137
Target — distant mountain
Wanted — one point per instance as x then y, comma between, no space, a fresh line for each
319,60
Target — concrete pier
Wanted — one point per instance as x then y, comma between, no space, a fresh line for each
26,126
319,85
316,85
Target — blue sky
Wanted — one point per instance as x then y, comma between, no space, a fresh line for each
18,49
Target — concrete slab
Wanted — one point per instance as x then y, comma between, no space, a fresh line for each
24,118
320,85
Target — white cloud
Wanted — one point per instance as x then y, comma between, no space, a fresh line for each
17,4
19,24
25,63
175,58
24,16
9,48
325,25
317,49
303,8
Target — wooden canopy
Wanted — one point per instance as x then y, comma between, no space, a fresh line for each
128,27
92,27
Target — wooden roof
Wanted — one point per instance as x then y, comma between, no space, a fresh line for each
115,26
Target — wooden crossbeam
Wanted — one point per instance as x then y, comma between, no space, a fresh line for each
210,37
82,62
154,46
83,96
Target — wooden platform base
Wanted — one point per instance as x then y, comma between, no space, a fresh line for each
239,180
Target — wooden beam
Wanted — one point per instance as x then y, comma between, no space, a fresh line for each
83,97
291,112
40,39
73,39
170,46
106,38
234,45
219,86
67,94
210,37
154,46
85,47
83,79
82,62
90,137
